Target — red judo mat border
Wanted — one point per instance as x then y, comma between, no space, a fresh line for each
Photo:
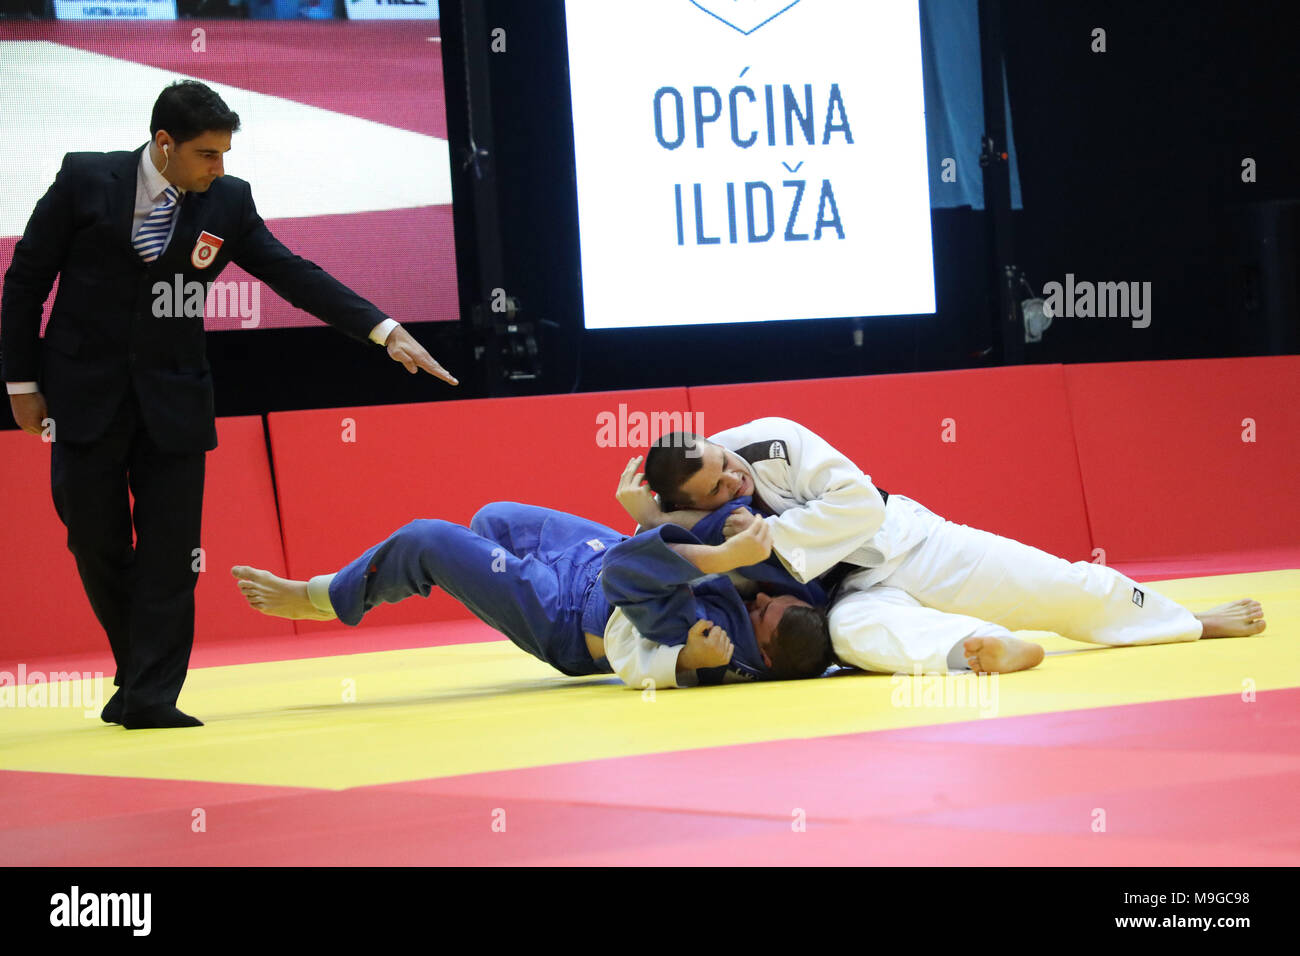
1199,782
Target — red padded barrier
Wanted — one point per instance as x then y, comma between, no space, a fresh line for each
446,460
45,609
240,526
1165,468
1011,470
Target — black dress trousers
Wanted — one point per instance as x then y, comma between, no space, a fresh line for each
141,590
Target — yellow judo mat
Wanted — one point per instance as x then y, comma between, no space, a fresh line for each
355,720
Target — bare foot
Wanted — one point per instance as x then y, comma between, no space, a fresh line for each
1001,655
277,596
1238,619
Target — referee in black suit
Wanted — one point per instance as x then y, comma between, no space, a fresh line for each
123,386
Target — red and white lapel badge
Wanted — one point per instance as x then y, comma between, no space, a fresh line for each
205,250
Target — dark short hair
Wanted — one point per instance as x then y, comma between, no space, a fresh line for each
668,466
801,646
187,109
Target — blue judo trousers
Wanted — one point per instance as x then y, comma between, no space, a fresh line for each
531,573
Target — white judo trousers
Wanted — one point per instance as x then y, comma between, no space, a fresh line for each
960,582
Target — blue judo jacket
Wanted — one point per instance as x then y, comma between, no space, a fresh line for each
770,573
663,594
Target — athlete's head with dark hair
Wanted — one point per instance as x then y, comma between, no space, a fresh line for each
801,646
688,471
191,128
792,635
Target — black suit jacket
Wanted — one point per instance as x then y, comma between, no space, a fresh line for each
103,336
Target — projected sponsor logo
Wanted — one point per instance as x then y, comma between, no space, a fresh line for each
764,161
760,206
392,9
140,10
745,15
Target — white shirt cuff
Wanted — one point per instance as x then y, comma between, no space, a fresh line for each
637,660
318,592
22,388
379,334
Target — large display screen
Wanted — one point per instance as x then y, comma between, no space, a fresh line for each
343,136
749,160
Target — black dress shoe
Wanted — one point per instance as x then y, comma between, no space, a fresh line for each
166,716
112,712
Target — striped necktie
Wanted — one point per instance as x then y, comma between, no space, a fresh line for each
152,237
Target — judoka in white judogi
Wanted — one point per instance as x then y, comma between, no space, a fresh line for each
919,585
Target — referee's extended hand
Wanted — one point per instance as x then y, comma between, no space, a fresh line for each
29,411
403,348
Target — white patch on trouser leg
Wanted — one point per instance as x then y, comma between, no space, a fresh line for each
318,592
967,571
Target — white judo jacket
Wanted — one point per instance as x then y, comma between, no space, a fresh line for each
825,509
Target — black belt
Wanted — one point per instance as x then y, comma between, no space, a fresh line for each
832,579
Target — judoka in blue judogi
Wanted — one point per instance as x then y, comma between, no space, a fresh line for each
558,586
